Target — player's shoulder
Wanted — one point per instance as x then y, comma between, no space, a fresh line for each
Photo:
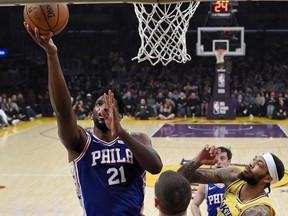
262,210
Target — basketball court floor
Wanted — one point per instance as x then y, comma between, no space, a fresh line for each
36,179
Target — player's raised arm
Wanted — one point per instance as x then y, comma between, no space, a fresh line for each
138,143
70,134
208,156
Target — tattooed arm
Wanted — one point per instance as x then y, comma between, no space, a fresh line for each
208,156
260,210
205,176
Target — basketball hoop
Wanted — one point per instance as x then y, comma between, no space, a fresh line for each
162,29
220,53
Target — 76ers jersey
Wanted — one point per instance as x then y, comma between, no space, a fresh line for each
108,179
214,197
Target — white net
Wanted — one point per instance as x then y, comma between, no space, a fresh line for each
162,29
220,53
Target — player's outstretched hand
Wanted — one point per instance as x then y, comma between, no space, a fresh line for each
208,155
111,115
45,42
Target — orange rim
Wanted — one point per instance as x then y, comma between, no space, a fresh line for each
220,51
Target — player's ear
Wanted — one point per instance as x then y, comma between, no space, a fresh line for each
120,116
268,179
156,202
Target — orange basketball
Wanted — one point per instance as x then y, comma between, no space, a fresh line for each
47,18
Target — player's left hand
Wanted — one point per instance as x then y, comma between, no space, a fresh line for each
208,155
111,116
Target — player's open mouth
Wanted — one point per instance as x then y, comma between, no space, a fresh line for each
100,118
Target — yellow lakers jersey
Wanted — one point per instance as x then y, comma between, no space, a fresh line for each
233,206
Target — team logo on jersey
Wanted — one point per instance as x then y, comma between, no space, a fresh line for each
224,209
215,198
109,156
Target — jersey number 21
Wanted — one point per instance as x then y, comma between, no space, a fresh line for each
117,177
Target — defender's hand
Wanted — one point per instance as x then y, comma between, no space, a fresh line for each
208,155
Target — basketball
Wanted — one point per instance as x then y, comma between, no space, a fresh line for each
47,18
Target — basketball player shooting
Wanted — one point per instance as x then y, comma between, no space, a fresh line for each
245,192
108,164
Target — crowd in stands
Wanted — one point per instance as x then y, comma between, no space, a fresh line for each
14,109
258,85
258,82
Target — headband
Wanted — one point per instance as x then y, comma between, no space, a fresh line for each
272,169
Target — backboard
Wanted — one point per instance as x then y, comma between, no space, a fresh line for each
231,39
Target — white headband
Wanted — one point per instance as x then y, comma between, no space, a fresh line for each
272,169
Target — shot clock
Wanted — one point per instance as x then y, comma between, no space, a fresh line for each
220,12
220,9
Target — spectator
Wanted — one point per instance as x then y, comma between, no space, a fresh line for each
143,110
151,101
44,105
182,105
88,104
249,103
11,109
166,110
79,110
280,111
130,104
235,103
173,102
260,104
25,108
5,121
193,105
270,104
159,102
205,98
